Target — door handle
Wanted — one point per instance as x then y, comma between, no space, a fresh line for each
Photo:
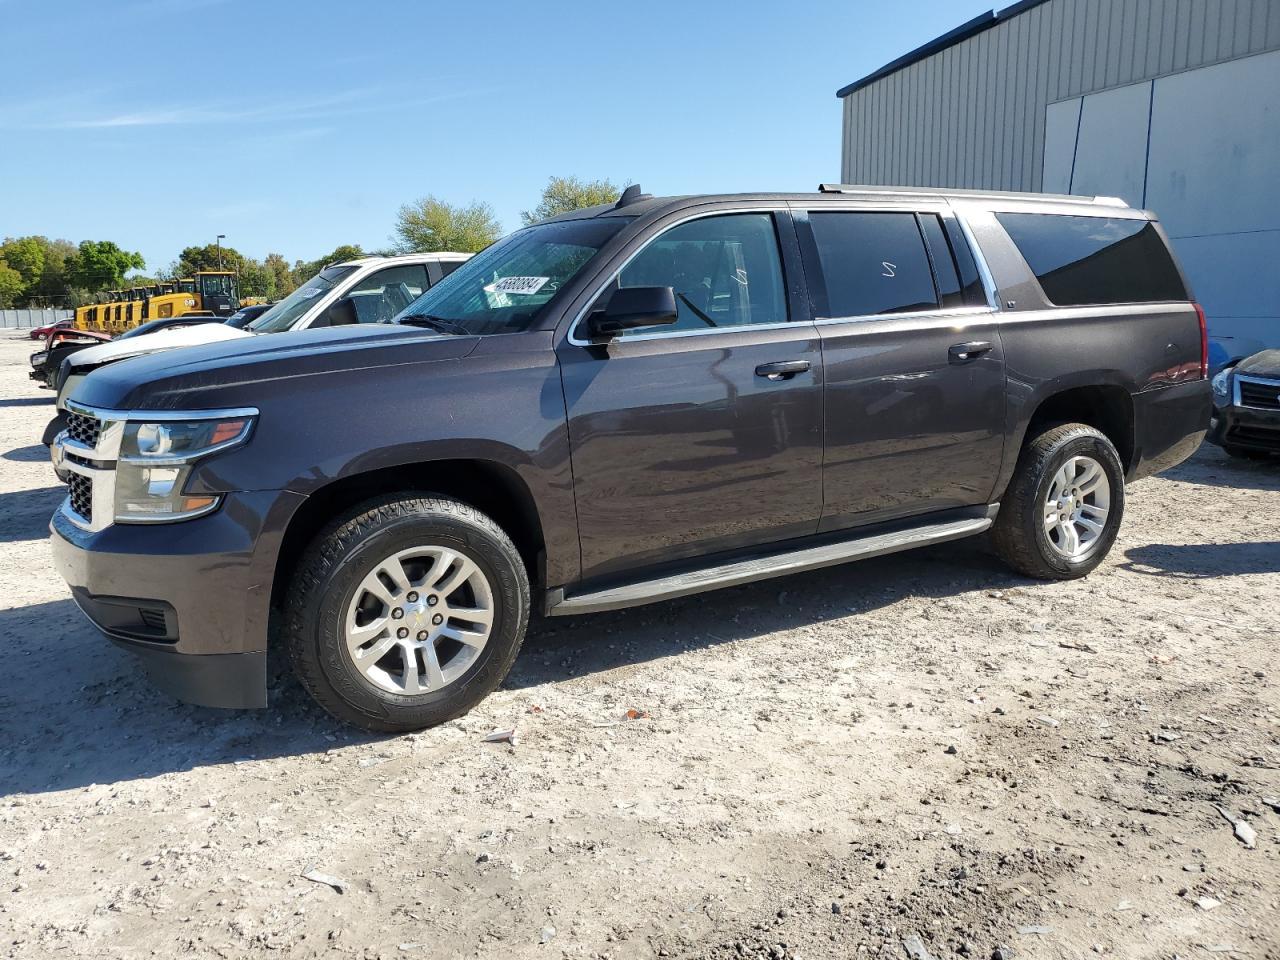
964,352
781,369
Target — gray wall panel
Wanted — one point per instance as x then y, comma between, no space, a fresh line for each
1061,124
1111,149
1215,140
973,115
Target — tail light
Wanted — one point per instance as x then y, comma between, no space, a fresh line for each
1204,342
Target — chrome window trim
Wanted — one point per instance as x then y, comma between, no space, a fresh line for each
980,258
1262,381
577,341
940,314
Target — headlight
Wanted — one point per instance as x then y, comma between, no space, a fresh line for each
155,462
39,358
1222,384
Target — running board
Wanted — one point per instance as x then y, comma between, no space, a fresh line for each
762,568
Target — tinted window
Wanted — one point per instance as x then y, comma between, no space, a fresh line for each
873,263
725,271
945,274
1095,260
970,280
448,266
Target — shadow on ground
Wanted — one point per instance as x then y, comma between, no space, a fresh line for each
601,642
1211,467
35,453
1200,561
66,691
24,514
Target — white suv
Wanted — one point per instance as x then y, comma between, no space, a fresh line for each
367,290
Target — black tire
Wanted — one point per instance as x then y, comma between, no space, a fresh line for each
330,572
1019,532
1243,453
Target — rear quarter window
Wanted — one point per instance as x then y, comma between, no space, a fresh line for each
1093,261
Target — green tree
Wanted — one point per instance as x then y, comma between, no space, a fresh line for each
252,278
429,225
562,194
11,285
101,265
207,257
282,282
26,255
52,288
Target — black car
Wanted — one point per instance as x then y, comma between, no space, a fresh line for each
1246,406
621,405
246,315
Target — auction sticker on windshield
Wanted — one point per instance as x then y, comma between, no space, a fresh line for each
525,285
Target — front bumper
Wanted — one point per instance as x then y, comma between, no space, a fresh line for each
191,599
1246,427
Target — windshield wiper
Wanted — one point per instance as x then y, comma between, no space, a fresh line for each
443,324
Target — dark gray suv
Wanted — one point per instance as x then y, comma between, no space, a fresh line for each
622,405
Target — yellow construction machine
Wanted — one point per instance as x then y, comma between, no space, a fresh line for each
208,293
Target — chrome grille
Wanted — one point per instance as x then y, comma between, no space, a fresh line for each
83,429
80,489
1263,394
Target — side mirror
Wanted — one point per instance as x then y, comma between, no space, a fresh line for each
632,307
338,313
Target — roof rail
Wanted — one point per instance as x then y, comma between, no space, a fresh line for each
975,194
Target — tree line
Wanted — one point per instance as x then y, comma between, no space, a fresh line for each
38,272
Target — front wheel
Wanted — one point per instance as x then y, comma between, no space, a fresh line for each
406,613
1062,511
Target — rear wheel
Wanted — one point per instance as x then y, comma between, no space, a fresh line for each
1063,508
406,613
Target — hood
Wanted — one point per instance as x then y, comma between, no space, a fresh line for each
232,372
1264,364
150,342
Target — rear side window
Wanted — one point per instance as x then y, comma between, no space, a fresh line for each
873,263
1089,261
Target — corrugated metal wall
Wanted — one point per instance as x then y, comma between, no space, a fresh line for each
973,115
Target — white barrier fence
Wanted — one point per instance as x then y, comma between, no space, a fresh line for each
26,319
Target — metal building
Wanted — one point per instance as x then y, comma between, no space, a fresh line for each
1173,105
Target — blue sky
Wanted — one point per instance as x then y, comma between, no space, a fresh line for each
294,127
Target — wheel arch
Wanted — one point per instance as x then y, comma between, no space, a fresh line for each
494,488
1107,407
1104,403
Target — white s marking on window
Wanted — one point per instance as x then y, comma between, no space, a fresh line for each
890,269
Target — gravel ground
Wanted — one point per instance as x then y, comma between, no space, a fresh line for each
919,756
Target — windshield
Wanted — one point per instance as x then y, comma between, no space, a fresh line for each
283,314
504,288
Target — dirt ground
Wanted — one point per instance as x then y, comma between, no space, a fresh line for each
919,756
